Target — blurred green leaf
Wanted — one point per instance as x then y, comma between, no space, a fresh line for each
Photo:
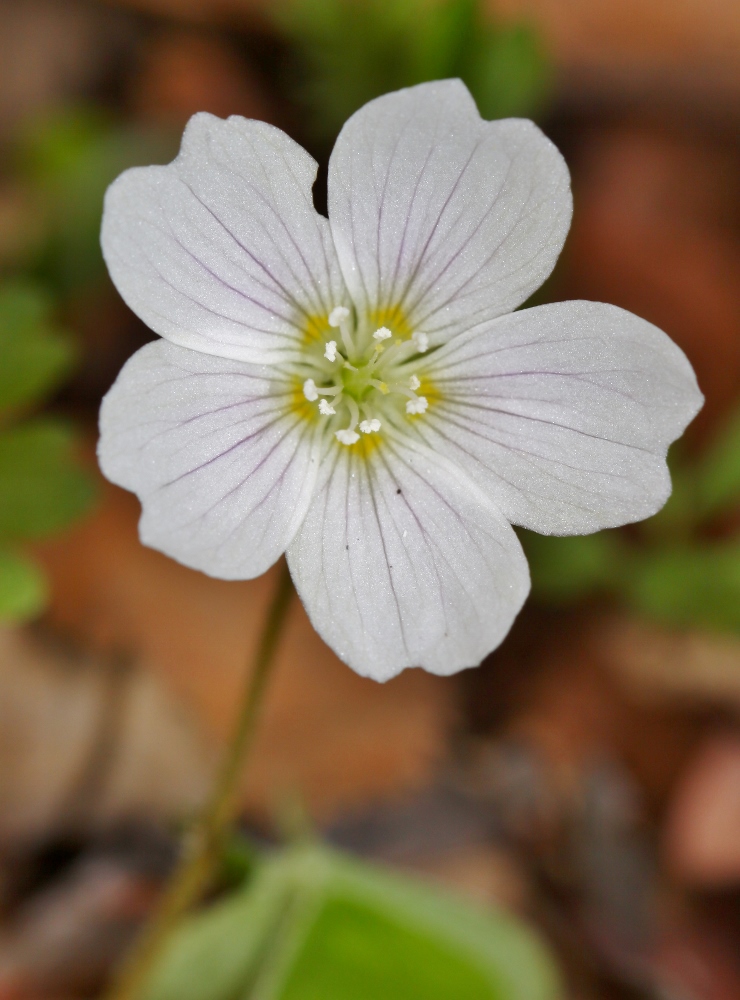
69,157
315,925
676,521
350,51
34,356
23,590
42,487
508,73
717,474
686,586
441,35
238,861
215,954
568,569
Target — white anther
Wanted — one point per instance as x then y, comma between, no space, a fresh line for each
331,351
326,408
421,340
370,426
417,405
310,391
346,436
382,334
414,382
338,315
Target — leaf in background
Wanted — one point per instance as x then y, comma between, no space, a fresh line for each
69,158
508,72
717,475
697,587
568,569
34,356
239,859
42,487
23,590
215,954
315,925
675,522
351,51
347,53
441,35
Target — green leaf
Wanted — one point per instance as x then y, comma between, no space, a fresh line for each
675,522
697,587
315,925
347,54
23,591
239,858
508,73
42,488
68,158
441,37
350,51
216,953
34,356
717,475
569,569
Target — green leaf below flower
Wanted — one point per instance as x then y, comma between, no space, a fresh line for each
316,925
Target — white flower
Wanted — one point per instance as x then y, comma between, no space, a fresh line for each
358,391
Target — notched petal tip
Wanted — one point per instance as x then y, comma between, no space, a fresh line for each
453,219
222,250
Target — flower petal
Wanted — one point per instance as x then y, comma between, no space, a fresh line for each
451,218
222,250
563,414
224,469
402,561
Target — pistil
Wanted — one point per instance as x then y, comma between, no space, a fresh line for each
361,373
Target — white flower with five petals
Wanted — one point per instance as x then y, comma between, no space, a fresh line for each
358,392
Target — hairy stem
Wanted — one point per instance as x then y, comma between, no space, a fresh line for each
204,843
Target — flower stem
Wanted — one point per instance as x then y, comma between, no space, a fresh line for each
203,845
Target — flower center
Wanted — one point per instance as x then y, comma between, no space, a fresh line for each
360,379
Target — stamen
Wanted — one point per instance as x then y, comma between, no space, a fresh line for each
383,363
397,387
338,315
418,405
349,435
401,350
346,436
354,412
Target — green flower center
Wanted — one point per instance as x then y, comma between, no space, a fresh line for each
361,379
